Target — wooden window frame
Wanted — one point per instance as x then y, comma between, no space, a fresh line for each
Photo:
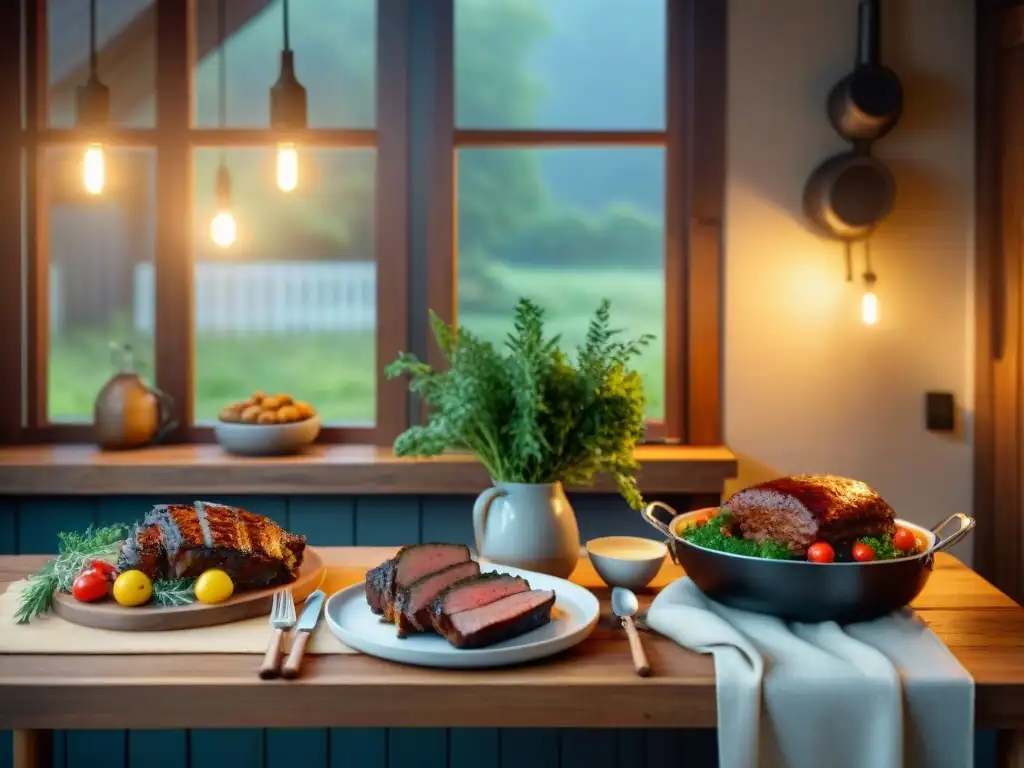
694,143
416,142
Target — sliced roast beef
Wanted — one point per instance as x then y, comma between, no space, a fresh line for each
474,592
376,585
412,603
508,617
408,566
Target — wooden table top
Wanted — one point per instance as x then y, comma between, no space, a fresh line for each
592,685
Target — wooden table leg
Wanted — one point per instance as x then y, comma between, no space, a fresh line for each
33,749
1010,749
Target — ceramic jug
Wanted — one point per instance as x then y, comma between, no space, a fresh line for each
128,413
529,526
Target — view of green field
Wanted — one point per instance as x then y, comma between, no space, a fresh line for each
564,226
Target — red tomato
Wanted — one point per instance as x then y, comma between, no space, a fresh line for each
863,553
821,552
904,540
90,585
105,568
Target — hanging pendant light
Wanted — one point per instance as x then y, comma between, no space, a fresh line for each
92,113
287,114
223,227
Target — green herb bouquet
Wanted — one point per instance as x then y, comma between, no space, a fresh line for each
529,412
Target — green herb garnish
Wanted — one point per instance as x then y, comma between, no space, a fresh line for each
712,535
882,545
73,549
529,413
174,592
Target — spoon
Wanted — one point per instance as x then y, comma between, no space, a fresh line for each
624,605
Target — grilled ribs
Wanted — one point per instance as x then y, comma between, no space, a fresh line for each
183,540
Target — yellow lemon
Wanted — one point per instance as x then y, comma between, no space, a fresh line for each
213,586
132,588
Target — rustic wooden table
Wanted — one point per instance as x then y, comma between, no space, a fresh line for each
590,686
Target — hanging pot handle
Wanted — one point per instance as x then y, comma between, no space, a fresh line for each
967,524
480,509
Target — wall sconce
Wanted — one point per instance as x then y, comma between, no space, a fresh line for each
849,194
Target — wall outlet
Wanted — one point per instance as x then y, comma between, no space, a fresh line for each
940,411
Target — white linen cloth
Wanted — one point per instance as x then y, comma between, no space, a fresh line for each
881,694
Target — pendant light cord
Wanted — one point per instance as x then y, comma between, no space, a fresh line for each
93,58
867,259
287,42
222,71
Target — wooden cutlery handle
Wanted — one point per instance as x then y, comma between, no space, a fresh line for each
272,658
290,669
636,648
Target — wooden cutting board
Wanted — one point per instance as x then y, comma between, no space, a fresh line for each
107,614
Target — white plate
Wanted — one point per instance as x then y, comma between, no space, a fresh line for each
573,618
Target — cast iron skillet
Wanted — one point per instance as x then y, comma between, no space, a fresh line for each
805,591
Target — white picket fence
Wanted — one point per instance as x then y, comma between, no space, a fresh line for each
271,297
259,297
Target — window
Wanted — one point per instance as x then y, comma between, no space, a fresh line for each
458,154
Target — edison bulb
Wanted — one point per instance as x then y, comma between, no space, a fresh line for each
223,229
93,171
287,167
869,308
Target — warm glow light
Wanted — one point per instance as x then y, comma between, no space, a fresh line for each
93,171
287,167
223,229
869,308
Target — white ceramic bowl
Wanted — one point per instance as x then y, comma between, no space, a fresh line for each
267,439
626,561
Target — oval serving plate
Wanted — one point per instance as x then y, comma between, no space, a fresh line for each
150,618
573,618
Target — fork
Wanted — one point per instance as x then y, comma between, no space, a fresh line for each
282,618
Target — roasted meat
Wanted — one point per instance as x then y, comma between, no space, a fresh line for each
474,592
508,617
183,540
409,565
799,510
412,603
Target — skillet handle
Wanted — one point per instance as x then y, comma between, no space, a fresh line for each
650,517
967,524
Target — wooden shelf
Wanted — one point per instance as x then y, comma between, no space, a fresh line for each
73,470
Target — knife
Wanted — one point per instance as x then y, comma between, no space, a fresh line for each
303,631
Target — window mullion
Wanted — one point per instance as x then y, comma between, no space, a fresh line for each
173,339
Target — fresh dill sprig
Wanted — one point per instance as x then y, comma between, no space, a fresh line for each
74,550
171,593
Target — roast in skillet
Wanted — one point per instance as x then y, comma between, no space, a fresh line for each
807,548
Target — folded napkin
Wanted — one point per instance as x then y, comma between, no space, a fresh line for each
881,694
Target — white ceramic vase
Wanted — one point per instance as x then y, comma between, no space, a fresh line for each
527,525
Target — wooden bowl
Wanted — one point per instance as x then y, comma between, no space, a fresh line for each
267,439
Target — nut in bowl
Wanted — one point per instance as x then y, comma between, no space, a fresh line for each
267,425
626,561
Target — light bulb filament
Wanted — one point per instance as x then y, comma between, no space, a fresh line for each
93,171
287,167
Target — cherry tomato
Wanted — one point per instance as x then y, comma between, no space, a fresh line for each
904,540
821,552
90,586
103,567
863,553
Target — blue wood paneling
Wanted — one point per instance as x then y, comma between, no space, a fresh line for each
359,747
31,526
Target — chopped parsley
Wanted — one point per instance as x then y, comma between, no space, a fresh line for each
716,534
883,546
